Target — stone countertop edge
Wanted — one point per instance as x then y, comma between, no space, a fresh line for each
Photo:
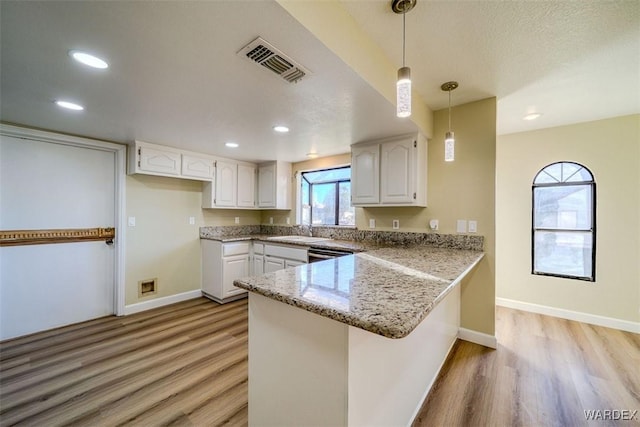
398,323
328,244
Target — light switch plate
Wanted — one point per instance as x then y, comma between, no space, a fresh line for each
473,226
288,220
192,220
461,226
372,223
237,220
396,224
131,221
270,220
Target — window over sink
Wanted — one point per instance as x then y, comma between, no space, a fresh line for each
326,197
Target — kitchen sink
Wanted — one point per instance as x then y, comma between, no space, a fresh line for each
298,239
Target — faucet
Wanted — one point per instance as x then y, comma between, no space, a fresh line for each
310,231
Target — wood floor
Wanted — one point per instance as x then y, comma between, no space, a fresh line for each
545,372
186,364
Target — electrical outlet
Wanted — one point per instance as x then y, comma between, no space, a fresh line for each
288,220
270,220
396,224
461,226
473,226
192,220
372,223
434,224
237,220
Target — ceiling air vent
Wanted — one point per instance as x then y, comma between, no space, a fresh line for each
265,54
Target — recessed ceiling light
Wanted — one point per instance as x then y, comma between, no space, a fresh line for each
531,116
87,59
281,129
312,155
231,145
69,105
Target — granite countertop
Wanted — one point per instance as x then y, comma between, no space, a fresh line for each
348,245
387,291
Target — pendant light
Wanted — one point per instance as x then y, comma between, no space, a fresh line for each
449,140
403,85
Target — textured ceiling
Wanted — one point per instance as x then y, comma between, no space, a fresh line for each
175,78
573,61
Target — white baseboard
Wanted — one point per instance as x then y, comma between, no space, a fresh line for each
159,302
478,338
594,319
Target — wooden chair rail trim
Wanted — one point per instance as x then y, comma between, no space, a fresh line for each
41,237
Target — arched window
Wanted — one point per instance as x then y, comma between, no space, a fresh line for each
564,222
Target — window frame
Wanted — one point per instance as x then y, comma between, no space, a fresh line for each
337,193
592,230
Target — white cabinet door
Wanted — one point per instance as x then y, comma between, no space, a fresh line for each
226,183
291,263
233,267
272,264
274,185
267,186
197,167
397,171
365,176
258,265
155,159
246,186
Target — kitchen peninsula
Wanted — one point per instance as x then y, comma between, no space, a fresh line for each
356,340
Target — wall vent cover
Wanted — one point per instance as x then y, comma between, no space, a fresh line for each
264,53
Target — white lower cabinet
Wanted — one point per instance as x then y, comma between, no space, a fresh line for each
272,264
222,263
277,257
258,258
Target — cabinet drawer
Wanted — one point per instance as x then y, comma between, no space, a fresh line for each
299,254
237,248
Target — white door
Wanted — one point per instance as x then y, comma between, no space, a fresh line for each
46,185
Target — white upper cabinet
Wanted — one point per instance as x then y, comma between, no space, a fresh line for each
226,184
154,159
197,167
160,160
397,164
365,173
246,186
234,186
391,172
274,185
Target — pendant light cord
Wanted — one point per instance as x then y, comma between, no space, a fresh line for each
404,18
449,110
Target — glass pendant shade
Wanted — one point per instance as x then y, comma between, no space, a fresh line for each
403,92
449,147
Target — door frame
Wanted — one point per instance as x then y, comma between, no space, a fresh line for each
120,180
